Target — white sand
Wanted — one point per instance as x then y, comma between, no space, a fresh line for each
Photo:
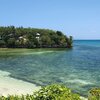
13,86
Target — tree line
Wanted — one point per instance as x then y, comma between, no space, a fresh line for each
19,37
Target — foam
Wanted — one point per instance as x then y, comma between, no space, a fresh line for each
84,82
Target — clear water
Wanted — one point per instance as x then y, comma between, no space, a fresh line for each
78,68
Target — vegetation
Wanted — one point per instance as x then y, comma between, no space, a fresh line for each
51,92
54,92
19,37
94,94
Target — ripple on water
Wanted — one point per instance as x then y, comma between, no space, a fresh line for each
78,68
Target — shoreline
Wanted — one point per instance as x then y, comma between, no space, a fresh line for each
11,86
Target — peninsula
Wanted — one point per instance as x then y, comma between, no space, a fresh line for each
19,37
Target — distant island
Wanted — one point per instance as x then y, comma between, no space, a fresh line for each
19,37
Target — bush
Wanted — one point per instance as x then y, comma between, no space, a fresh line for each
51,92
94,94
55,92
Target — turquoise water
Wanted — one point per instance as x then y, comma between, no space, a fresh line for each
77,68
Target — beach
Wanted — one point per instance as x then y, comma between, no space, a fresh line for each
78,68
11,86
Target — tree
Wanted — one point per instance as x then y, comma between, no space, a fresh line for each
2,43
45,41
70,42
26,37
59,33
11,42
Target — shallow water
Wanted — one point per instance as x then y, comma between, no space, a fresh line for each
77,68
12,86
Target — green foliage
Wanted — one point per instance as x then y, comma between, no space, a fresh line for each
11,42
69,42
11,97
45,40
51,92
20,37
94,94
55,92
2,43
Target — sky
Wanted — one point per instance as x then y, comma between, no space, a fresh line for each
79,18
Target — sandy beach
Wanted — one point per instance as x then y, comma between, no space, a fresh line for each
11,86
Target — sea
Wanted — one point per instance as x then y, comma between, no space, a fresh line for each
77,68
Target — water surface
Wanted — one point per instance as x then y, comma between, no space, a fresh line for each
77,68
